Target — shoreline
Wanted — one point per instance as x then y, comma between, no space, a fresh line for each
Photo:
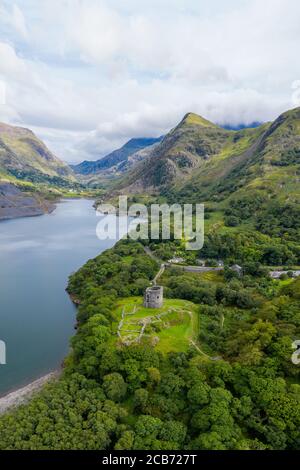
24,394
17,397
27,216
15,202
50,208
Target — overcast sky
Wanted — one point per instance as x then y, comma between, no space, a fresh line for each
87,75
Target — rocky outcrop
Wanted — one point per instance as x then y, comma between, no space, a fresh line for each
15,203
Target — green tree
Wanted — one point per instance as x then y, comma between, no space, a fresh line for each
114,386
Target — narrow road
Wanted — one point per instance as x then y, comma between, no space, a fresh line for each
160,273
151,254
196,269
206,269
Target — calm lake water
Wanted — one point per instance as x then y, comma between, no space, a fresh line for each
37,318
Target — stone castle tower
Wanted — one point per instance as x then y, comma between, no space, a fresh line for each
153,297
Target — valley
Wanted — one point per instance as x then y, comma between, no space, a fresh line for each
149,232
211,367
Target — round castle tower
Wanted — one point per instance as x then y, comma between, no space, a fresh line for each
153,297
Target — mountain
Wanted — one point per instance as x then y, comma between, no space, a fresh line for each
200,158
182,150
136,157
248,181
265,160
114,161
26,157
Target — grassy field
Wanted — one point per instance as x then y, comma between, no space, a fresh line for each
211,276
169,328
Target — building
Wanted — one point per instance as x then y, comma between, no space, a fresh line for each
200,262
278,274
237,269
176,260
153,297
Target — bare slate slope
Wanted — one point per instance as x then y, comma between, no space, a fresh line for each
15,203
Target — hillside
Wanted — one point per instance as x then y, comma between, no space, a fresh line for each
26,157
266,158
116,160
198,158
201,161
182,150
247,179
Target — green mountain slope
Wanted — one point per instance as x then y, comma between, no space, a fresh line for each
247,179
183,149
200,158
257,168
25,156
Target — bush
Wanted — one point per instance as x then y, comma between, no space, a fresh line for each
232,221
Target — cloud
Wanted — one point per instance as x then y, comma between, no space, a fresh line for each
92,74
18,21
11,67
12,17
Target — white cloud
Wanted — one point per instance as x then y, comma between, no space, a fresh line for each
97,31
11,67
12,16
92,74
18,21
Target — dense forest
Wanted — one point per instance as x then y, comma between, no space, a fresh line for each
234,388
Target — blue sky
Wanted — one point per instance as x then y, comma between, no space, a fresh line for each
87,75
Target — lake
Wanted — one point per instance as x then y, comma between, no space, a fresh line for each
37,318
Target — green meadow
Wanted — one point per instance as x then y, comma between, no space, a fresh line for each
169,328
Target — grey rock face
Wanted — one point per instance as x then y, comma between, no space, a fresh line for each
14,203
